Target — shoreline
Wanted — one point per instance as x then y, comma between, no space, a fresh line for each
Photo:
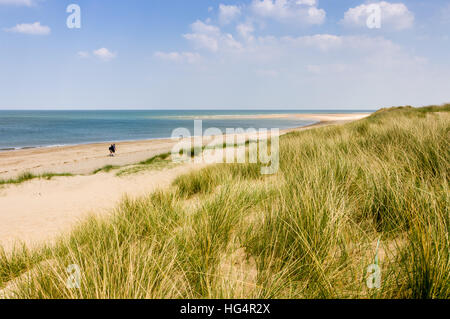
317,117
13,149
86,158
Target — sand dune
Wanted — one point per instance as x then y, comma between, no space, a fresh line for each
38,210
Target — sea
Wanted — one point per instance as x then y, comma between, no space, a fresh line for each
33,129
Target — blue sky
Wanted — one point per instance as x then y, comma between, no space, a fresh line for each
200,54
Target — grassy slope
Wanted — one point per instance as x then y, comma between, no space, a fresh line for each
308,232
25,177
154,163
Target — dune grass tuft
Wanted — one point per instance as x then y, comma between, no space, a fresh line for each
25,177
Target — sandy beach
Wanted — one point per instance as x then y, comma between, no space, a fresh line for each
39,210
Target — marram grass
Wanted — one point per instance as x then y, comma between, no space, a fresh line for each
25,177
310,231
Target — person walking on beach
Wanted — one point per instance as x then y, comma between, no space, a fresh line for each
112,150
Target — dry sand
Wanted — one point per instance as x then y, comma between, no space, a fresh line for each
39,210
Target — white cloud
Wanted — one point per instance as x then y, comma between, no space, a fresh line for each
263,67
393,16
180,57
230,43
290,11
264,48
249,54
245,30
201,27
27,3
83,54
316,16
270,49
228,13
204,36
322,42
274,70
210,37
203,41
32,28
104,54
307,2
